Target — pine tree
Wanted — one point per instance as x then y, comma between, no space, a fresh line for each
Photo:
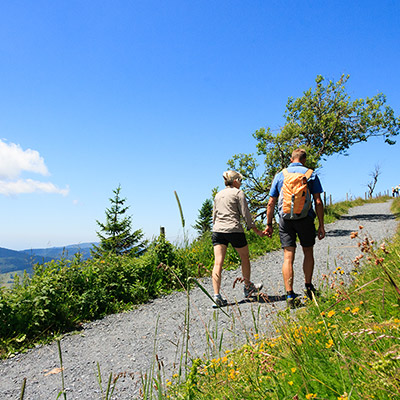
115,234
204,222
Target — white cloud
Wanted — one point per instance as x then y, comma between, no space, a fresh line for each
13,161
30,186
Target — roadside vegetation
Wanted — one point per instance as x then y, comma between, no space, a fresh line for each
63,294
345,344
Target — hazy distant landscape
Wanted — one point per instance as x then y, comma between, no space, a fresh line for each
16,262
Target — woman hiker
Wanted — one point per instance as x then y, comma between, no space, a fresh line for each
229,205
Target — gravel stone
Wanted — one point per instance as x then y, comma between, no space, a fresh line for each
125,344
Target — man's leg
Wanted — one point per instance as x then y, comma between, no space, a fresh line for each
308,263
245,260
287,268
219,257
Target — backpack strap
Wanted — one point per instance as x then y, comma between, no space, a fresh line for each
308,173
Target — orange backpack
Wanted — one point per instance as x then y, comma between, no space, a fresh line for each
295,196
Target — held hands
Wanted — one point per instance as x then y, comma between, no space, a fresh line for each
268,231
259,233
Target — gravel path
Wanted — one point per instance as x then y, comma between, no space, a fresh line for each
124,343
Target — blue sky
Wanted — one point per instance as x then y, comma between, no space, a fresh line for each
156,96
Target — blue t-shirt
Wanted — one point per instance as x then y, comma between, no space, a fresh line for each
314,184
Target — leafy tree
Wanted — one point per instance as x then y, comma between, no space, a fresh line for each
115,234
204,222
324,121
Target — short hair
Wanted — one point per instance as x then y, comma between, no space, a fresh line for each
299,154
231,176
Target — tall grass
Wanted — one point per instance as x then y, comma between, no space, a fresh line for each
344,344
63,294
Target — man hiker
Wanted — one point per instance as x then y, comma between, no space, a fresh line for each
296,218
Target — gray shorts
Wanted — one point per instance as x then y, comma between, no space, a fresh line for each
303,228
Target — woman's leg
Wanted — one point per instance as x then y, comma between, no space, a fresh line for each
245,259
219,257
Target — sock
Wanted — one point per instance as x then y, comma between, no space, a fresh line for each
309,285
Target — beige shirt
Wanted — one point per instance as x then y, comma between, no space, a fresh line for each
229,204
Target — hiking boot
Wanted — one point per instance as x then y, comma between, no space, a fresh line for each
252,289
293,302
219,301
310,290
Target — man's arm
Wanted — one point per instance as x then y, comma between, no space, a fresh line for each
319,210
270,215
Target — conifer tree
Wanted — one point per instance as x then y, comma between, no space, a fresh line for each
116,234
204,222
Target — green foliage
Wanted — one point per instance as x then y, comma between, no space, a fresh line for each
344,344
324,121
204,222
115,234
62,294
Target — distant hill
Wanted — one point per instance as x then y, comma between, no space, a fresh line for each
55,253
12,260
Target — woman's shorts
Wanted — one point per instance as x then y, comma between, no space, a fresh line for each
303,228
236,239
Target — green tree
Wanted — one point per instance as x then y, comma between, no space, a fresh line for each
204,222
116,234
324,121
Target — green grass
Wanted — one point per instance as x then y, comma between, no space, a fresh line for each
63,294
343,345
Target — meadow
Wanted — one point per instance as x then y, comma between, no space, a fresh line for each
344,344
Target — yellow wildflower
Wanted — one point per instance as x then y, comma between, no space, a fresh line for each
311,396
331,313
294,370
290,383
329,344
355,310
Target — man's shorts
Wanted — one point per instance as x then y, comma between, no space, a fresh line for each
303,228
236,239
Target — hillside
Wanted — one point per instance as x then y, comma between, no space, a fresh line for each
124,345
65,252
12,260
